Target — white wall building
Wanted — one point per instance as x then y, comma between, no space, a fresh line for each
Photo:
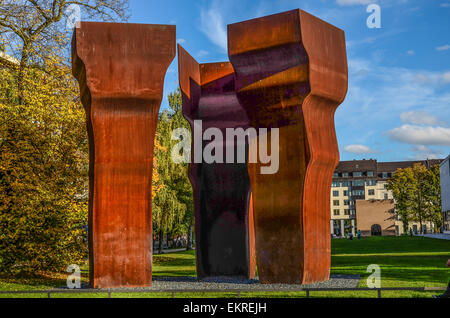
445,192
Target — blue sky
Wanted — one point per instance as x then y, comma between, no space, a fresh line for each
398,101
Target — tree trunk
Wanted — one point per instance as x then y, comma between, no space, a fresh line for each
21,73
189,238
161,239
420,212
405,226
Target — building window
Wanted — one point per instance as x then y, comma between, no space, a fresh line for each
384,175
336,211
335,175
358,192
371,182
346,212
335,193
345,183
371,192
386,196
345,193
370,173
357,174
352,212
335,184
358,183
385,186
345,174
335,202
346,202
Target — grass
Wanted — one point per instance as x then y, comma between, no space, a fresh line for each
404,262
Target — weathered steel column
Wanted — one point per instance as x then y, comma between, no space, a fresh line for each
121,69
291,73
222,195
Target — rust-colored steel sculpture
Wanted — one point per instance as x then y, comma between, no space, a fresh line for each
121,69
222,196
291,73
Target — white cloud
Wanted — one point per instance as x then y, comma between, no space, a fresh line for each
410,52
446,77
422,78
377,95
202,53
420,135
211,24
432,78
418,117
359,149
423,152
181,41
443,47
445,5
374,38
353,2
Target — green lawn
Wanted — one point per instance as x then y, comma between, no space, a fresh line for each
404,262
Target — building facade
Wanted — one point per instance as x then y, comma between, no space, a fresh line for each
376,217
362,180
445,192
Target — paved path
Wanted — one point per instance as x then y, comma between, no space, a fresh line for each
436,236
172,250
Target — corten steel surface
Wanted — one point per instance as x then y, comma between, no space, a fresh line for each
222,196
291,73
121,69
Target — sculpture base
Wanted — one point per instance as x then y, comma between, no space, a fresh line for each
246,285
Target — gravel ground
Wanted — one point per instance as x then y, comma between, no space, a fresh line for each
191,283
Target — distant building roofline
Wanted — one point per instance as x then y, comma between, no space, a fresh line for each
379,169
445,160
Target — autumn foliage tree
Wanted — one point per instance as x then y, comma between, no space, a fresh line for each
44,157
43,171
43,139
30,29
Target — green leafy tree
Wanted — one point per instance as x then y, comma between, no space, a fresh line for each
173,205
432,193
417,195
418,199
399,184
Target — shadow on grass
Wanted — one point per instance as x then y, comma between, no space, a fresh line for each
389,244
31,282
175,273
404,271
172,261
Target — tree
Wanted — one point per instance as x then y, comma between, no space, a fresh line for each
43,139
43,171
432,193
31,29
399,184
418,200
173,205
185,194
416,191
